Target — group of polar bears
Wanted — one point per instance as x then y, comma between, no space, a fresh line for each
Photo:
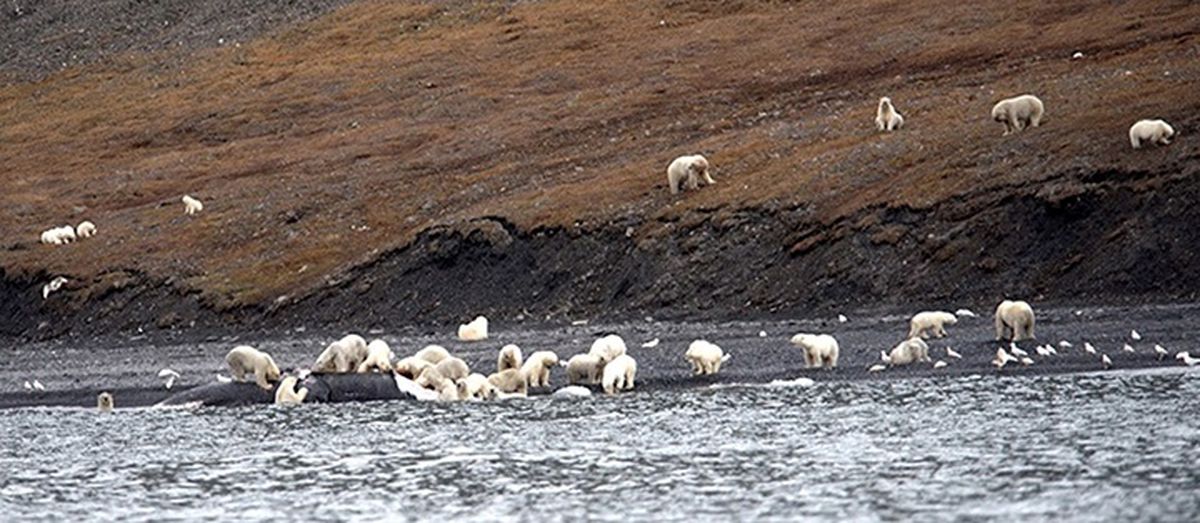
67,234
1020,112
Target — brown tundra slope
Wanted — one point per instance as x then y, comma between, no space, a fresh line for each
385,163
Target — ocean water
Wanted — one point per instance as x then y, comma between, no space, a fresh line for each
1070,447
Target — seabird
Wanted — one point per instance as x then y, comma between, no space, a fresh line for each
169,376
650,344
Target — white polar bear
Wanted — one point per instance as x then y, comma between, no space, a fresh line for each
411,367
608,348
537,368
820,350
1018,113
287,393
104,402
191,205
59,235
433,354
909,351
923,323
86,229
1150,131
1014,321
584,369
511,381
477,330
705,357
693,168
887,119
379,358
245,359
619,374
509,358
453,369
478,387
342,356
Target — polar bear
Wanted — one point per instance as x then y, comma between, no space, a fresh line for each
1018,113
453,369
104,402
584,369
537,368
1150,131
288,394
245,359
191,205
923,323
85,229
411,367
478,387
1014,321
342,356
450,390
477,330
820,350
705,357
379,358
908,351
509,358
433,354
59,235
608,348
887,119
619,374
693,168
510,381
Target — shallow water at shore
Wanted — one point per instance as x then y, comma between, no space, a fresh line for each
1111,446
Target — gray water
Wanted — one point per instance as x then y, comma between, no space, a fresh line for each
1081,447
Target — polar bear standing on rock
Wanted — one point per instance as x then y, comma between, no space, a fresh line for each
608,348
244,359
1014,321
287,394
924,322
537,368
342,356
477,330
509,358
584,369
820,350
886,117
1150,131
693,168
908,351
379,358
619,374
705,357
1018,113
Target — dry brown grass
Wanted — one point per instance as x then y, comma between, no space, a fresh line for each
320,146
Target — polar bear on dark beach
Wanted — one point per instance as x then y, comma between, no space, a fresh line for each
693,169
411,367
476,330
537,368
342,356
288,394
608,348
908,351
584,369
1018,113
453,369
104,402
820,350
511,381
887,119
244,359
705,357
379,358
509,357
1014,321
924,323
432,353
619,374
1150,131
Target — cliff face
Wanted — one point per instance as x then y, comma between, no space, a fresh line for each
387,163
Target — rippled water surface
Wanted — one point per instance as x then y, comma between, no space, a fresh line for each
1114,447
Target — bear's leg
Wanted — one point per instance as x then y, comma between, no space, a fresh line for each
238,372
260,377
693,181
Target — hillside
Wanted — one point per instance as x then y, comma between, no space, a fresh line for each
383,163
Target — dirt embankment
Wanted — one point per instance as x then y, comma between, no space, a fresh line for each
388,163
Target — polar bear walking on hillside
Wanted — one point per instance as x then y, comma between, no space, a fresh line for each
1019,112
887,119
923,323
693,168
191,205
1014,321
1150,131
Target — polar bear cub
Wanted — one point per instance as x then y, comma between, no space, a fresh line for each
379,358
1150,131
887,119
584,369
923,323
1018,113
244,359
537,368
619,374
908,351
288,394
705,357
693,168
509,358
191,205
85,229
820,350
608,348
1014,321
476,330
342,356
